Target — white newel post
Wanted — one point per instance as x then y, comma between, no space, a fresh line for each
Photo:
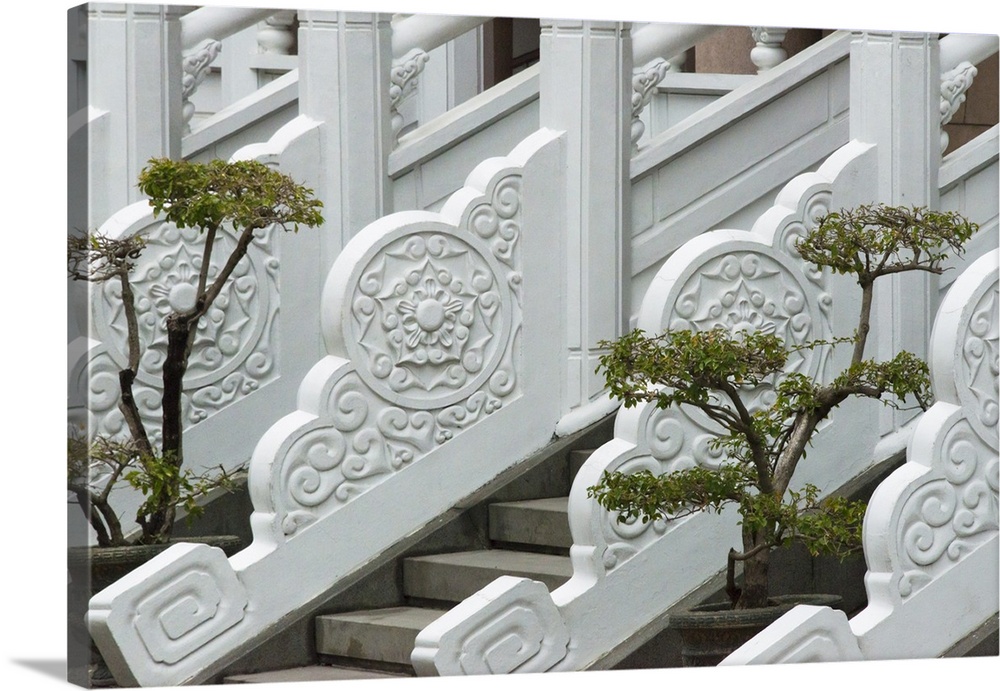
135,83
895,104
586,91
344,71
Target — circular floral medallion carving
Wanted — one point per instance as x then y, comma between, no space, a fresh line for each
755,291
233,351
165,280
429,319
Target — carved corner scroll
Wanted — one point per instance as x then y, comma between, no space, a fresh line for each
511,625
178,603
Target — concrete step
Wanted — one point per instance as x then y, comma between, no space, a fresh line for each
455,576
576,459
542,522
310,673
378,635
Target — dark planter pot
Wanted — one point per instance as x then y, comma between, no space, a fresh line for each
91,569
709,633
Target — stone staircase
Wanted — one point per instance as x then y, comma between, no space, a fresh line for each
529,538
526,533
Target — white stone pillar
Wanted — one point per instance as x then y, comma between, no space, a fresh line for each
345,60
895,104
134,80
586,91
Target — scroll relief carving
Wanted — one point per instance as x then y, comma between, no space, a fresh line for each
403,82
432,329
740,287
944,519
511,625
234,348
192,599
954,85
978,379
644,82
196,64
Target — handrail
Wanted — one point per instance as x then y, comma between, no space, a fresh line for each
479,112
218,23
363,436
958,48
627,575
427,31
665,40
746,99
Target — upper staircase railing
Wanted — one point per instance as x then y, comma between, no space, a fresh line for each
723,163
931,535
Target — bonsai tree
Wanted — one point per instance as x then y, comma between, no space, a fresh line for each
245,196
707,370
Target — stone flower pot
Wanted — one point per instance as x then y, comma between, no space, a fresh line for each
710,632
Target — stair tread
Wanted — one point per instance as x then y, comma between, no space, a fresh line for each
503,559
454,576
540,522
401,617
553,504
383,636
311,673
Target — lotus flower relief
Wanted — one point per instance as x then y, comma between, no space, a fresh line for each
428,319
433,315
430,316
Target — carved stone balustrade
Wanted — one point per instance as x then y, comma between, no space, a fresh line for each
627,575
276,34
413,38
931,531
440,339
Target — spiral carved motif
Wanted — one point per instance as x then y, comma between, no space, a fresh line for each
233,351
518,628
187,604
978,376
946,518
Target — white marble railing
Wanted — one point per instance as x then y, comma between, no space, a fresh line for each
807,95
441,333
960,53
654,47
202,33
625,576
413,38
931,531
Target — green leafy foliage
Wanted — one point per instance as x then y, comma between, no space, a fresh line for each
245,194
878,239
711,371
245,197
647,497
